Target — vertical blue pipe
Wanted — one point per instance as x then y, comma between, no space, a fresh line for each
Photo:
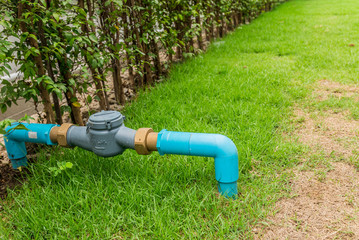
220,147
15,140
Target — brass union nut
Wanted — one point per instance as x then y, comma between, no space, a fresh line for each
58,134
141,141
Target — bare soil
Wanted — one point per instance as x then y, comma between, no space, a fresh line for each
325,205
325,88
9,177
318,209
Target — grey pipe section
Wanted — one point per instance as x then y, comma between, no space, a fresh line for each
77,136
126,137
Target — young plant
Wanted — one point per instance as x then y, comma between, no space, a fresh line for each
61,167
7,122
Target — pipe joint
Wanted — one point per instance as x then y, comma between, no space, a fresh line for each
16,138
145,141
59,134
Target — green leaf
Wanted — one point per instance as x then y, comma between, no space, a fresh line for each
21,127
94,63
76,104
56,16
93,38
68,165
3,108
82,12
33,36
36,51
27,54
26,118
107,3
89,99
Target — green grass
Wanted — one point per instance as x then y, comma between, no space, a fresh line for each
167,197
336,104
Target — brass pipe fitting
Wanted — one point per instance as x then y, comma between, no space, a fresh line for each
151,141
53,134
145,141
58,134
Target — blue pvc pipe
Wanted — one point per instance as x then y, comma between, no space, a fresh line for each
220,147
15,140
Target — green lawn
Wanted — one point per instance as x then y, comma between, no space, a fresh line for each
243,87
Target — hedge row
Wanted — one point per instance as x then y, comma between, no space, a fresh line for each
107,41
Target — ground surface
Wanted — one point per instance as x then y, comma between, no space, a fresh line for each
284,88
18,111
324,200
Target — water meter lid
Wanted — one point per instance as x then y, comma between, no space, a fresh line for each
105,120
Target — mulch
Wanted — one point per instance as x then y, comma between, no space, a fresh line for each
11,178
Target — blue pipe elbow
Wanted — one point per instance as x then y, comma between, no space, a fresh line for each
15,140
220,147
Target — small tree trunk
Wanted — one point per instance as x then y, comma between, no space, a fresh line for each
136,21
57,108
199,36
50,117
190,44
213,34
223,27
146,65
241,20
230,24
95,77
126,35
179,37
99,90
218,21
208,30
66,75
170,57
90,12
51,73
116,74
134,42
156,60
114,40
76,111
147,72
68,100
234,20
104,87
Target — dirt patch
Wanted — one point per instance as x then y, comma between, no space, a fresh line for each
331,132
318,210
321,207
326,88
9,177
